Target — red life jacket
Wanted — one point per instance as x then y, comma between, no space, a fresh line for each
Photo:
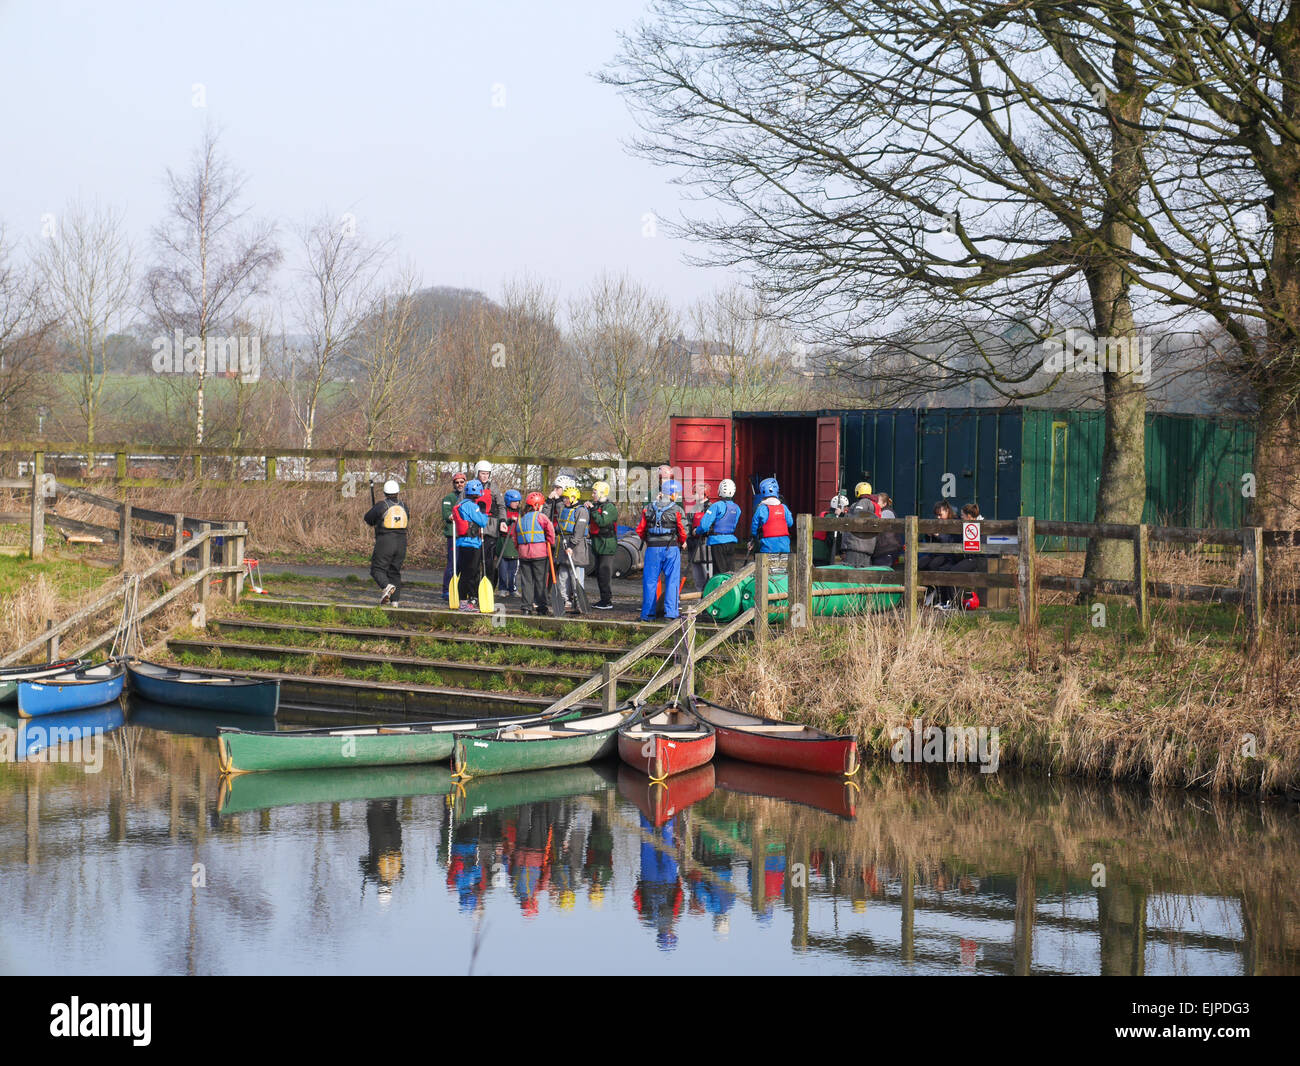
485,502
776,525
464,528
821,533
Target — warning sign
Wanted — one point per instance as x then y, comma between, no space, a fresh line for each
970,534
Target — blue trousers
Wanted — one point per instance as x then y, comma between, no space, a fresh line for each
666,563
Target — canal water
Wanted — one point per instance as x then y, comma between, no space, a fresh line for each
151,863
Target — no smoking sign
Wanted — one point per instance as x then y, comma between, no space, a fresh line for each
970,534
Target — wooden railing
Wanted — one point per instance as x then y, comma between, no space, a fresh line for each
230,568
195,457
1249,591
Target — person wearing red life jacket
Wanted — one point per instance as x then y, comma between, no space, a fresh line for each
508,567
493,506
534,538
772,523
826,544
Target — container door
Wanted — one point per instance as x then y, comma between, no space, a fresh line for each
699,449
828,461
1057,504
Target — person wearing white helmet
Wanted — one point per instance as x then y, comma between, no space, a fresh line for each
390,520
719,523
491,504
825,545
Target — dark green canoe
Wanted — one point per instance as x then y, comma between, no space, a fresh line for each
243,751
289,788
538,747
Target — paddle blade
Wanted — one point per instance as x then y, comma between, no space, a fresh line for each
557,600
485,602
453,593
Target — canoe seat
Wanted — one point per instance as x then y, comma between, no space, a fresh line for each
354,732
792,728
395,729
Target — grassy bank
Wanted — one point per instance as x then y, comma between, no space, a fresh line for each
1187,705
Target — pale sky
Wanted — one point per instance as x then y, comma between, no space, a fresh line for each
382,109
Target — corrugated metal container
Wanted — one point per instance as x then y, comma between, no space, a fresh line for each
1194,467
911,453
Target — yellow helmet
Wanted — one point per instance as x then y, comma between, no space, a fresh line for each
600,491
571,493
862,488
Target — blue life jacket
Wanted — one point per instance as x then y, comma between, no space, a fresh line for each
727,521
529,530
568,520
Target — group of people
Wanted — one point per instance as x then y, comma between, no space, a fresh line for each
526,544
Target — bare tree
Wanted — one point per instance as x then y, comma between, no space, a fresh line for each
209,265
631,366
86,281
337,291
742,358
389,349
26,336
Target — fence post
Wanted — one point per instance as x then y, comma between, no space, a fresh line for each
911,535
239,559
124,536
270,468
121,465
38,505
1141,542
1027,577
340,468
1252,577
799,585
760,597
178,539
412,473
608,687
196,466
52,645
205,564
688,652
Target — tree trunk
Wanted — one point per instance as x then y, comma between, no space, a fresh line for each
1277,462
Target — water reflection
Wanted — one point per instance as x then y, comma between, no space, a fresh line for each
596,869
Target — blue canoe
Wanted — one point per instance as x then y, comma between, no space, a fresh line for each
202,691
72,691
31,739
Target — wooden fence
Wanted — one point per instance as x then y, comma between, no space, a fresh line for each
192,462
230,568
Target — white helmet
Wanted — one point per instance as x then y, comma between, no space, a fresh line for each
483,467
839,501
726,488
565,482
391,487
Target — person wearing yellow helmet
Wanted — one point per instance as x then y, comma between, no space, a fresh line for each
858,547
603,527
571,529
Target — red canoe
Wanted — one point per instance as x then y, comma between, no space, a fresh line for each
835,795
667,741
790,744
660,801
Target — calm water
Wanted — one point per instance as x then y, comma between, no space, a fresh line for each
152,866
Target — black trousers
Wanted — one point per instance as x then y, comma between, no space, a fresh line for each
605,577
387,559
491,556
533,574
467,563
724,558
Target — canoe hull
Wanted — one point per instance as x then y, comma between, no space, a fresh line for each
660,755
292,788
485,755
660,802
242,751
11,675
36,698
259,698
813,750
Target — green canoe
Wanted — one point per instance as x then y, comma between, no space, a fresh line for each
243,751
483,795
288,788
538,747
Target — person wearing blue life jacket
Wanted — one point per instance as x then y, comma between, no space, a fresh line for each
662,530
719,525
470,521
772,521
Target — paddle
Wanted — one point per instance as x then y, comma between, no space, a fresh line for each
579,593
557,596
453,590
486,602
